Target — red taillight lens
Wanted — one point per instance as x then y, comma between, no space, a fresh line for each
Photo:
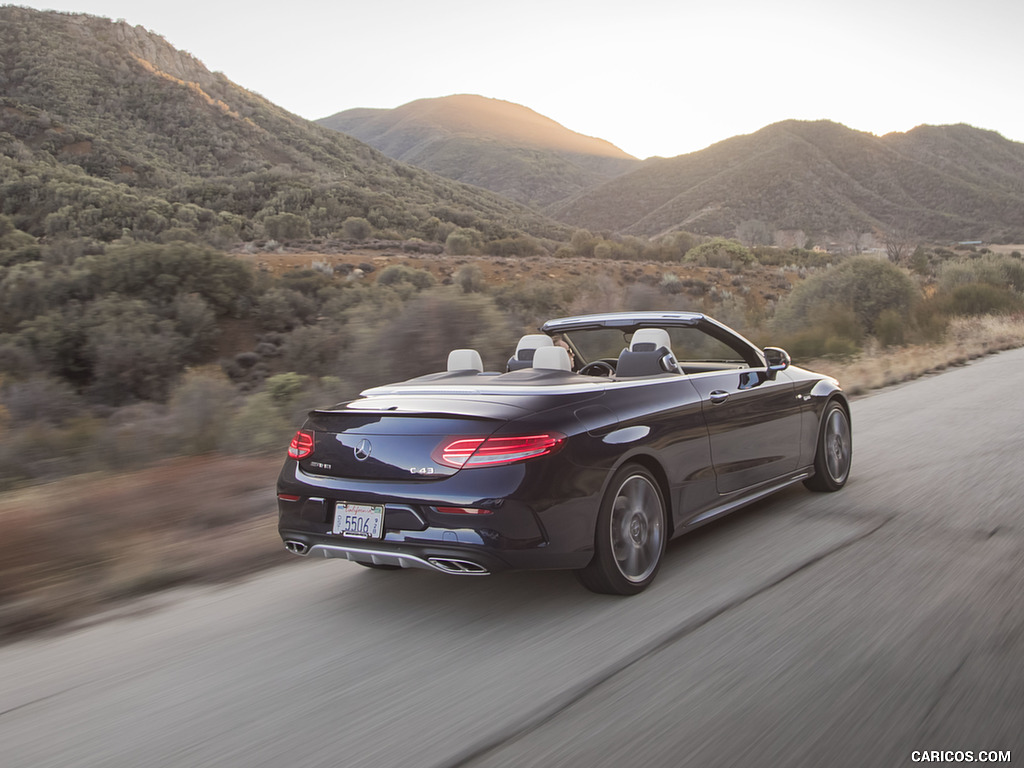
301,445
468,452
463,510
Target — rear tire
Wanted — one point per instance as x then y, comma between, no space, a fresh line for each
834,455
629,542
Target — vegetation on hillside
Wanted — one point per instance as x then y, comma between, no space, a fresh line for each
503,147
106,130
821,182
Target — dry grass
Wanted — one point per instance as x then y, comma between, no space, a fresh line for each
79,545
966,339
74,547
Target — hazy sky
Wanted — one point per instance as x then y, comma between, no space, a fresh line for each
654,77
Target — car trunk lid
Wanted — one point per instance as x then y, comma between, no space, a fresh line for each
385,441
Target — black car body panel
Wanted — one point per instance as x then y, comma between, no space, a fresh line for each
714,433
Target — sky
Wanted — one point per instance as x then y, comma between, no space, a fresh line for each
653,77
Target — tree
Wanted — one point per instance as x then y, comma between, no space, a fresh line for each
754,232
898,244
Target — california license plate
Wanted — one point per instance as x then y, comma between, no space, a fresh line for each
364,521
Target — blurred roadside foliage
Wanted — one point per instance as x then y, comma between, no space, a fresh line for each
112,357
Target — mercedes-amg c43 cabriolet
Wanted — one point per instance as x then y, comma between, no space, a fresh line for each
604,437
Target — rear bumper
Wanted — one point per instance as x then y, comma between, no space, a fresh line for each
535,523
460,564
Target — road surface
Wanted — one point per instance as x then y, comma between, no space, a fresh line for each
856,628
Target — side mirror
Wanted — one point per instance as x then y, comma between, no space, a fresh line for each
778,360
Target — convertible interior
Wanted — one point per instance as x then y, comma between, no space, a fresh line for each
648,352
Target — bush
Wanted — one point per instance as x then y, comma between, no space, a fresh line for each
890,328
133,353
419,337
201,407
356,228
314,349
469,278
397,273
258,426
721,253
282,309
286,226
461,242
864,286
980,299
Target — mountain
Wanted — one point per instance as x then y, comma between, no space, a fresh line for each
106,129
938,182
494,144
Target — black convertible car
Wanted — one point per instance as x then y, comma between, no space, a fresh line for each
606,436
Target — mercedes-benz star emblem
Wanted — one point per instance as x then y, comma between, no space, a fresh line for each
363,449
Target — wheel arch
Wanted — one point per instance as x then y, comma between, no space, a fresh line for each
652,465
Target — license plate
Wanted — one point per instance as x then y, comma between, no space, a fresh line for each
364,521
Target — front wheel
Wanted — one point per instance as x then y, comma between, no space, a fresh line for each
835,451
630,538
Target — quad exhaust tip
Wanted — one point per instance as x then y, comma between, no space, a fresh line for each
451,565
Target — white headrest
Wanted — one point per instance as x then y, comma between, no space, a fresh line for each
465,360
552,358
533,341
657,336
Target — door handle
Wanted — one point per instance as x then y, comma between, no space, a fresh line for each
719,396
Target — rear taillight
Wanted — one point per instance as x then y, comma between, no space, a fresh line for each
468,452
463,510
301,445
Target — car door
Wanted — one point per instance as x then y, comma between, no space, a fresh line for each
754,423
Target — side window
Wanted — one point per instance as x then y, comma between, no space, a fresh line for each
693,345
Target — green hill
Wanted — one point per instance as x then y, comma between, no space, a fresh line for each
490,143
105,129
937,182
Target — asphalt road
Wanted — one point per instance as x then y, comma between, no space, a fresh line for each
811,629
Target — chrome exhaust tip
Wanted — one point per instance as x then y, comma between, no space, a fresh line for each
297,547
462,567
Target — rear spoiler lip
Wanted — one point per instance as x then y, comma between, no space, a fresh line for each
397,412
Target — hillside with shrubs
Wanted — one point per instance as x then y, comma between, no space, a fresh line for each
819,183
504,147
107,131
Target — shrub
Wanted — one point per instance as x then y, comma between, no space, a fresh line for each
980,299
721,253
259,425
469,278
356,228
890,328
461,242
201,407
286,226
314,349
282,309
865,286
397,273
419,337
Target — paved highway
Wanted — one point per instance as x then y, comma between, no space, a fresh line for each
855,629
